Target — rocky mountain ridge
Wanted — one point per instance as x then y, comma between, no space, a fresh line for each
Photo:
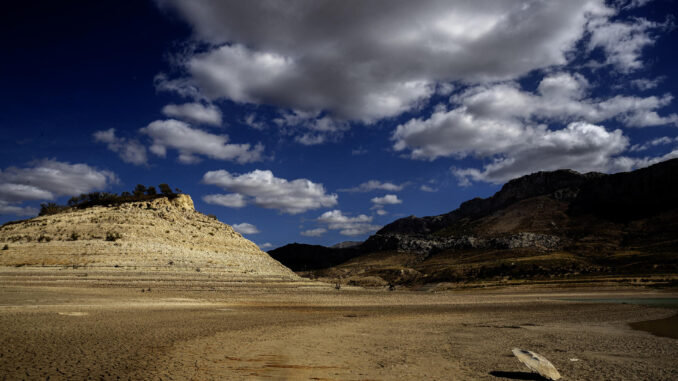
562,184
619,197
543,224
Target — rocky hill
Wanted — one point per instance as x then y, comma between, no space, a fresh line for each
165,233
543,225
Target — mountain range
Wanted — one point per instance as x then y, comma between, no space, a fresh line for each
560,224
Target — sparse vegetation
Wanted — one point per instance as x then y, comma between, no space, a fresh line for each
139,190
74,236
50,208
86,200
44,238
165,189
113,236
6,247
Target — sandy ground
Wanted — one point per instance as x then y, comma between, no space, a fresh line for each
86,327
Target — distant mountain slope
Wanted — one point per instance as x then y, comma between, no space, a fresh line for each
622,196
163,233
537,184
302,257
346,244
546,224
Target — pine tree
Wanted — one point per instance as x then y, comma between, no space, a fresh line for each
139,190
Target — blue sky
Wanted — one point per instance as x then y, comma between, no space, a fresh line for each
321,121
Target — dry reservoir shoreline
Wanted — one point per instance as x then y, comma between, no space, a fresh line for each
64,325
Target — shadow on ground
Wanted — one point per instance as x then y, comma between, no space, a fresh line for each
517,375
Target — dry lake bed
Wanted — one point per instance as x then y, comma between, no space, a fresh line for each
81,324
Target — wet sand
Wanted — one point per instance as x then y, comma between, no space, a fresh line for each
69,328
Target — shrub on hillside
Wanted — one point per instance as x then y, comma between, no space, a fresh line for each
44,238
51,208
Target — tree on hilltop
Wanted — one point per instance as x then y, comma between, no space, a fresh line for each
165,189
139,190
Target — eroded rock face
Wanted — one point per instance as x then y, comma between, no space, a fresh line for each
426,245
160,233
182,201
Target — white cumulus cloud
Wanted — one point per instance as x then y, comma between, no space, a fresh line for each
511,128
314,232
349,226
375,185
263,189
252,121
389,199
245,228
310,128
22,192
645,84
580,146
623,41
47,179
195,112
174,134
129,150
7,209
232,200
561,97
370,60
